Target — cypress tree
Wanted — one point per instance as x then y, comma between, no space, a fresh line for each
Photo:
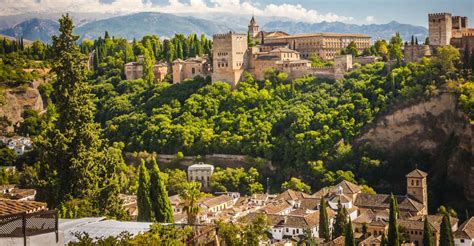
393,235
384,240
143,194
416,40
340,221
323,221
446,233
412,40
427,234
349,235
160,201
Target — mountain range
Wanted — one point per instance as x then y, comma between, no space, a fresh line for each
166,25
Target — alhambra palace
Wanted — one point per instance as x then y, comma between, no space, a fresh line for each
290,53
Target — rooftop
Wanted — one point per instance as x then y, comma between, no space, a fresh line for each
324,34
8,207
466,229
416,174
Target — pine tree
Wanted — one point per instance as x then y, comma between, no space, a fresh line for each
340,221
143,194
427,234
323,221
393,235
349,235
446,232
159,197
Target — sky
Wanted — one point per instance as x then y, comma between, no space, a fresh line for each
311,11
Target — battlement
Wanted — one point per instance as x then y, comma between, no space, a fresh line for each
438,15
228,35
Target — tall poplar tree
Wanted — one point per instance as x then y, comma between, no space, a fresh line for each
148,63
427,234
446,232
393,235
160,201
349,235
383,242
340,221
323,221
143,194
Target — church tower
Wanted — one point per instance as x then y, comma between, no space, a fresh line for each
417,187
253,28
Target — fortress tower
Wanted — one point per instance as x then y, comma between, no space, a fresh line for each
253,28
417,187
229,52
440,28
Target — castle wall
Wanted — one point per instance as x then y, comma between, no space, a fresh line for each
440,28
414,53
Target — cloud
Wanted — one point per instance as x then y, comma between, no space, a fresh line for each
291,11
370,19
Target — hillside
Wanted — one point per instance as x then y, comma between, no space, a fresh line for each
376,31
434,134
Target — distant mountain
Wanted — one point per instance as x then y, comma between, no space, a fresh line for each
376,31
33,29
166,25
140,24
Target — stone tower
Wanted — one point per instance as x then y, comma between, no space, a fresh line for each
229,53
253,28
440,28
417,187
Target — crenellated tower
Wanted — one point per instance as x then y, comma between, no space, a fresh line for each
440,28
229,52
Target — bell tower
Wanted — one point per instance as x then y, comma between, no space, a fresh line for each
253,28
417,187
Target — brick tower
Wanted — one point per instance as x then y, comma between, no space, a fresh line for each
417,187
229,54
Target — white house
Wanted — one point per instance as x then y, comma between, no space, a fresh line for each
464,236
200,172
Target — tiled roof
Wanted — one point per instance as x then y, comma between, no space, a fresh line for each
275,207
417,222
8,206
347,188
466,229
380,201
291,195
324,34
277,50
416,174
340,198
310,203
216,201
372,240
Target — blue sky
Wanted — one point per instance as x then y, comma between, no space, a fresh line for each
349,11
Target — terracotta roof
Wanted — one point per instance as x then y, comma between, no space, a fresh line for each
216,201
291,195
275,207
380,201
365,217
310,203
8,206
324,34
260,197
339,241
347,188
416,174
372,240
277,50
417,222
340,197
466,229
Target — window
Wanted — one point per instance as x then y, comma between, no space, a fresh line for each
412,183
287,230
193,70
417,182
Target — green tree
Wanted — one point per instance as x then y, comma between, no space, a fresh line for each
191,194
383,242
427,234
255,231
340,221
395,48
148,62
349,235
297,185
393,234
446,232
74,159
143,194
323,221
351,49
162,210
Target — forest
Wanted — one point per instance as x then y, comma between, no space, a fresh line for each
305,127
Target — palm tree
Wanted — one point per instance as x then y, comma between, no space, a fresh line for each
191,194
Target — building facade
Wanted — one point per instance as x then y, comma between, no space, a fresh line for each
200,172
445,29
229,57
134,70
190,68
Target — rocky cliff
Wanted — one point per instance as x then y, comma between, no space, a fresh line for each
16,102
436,128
